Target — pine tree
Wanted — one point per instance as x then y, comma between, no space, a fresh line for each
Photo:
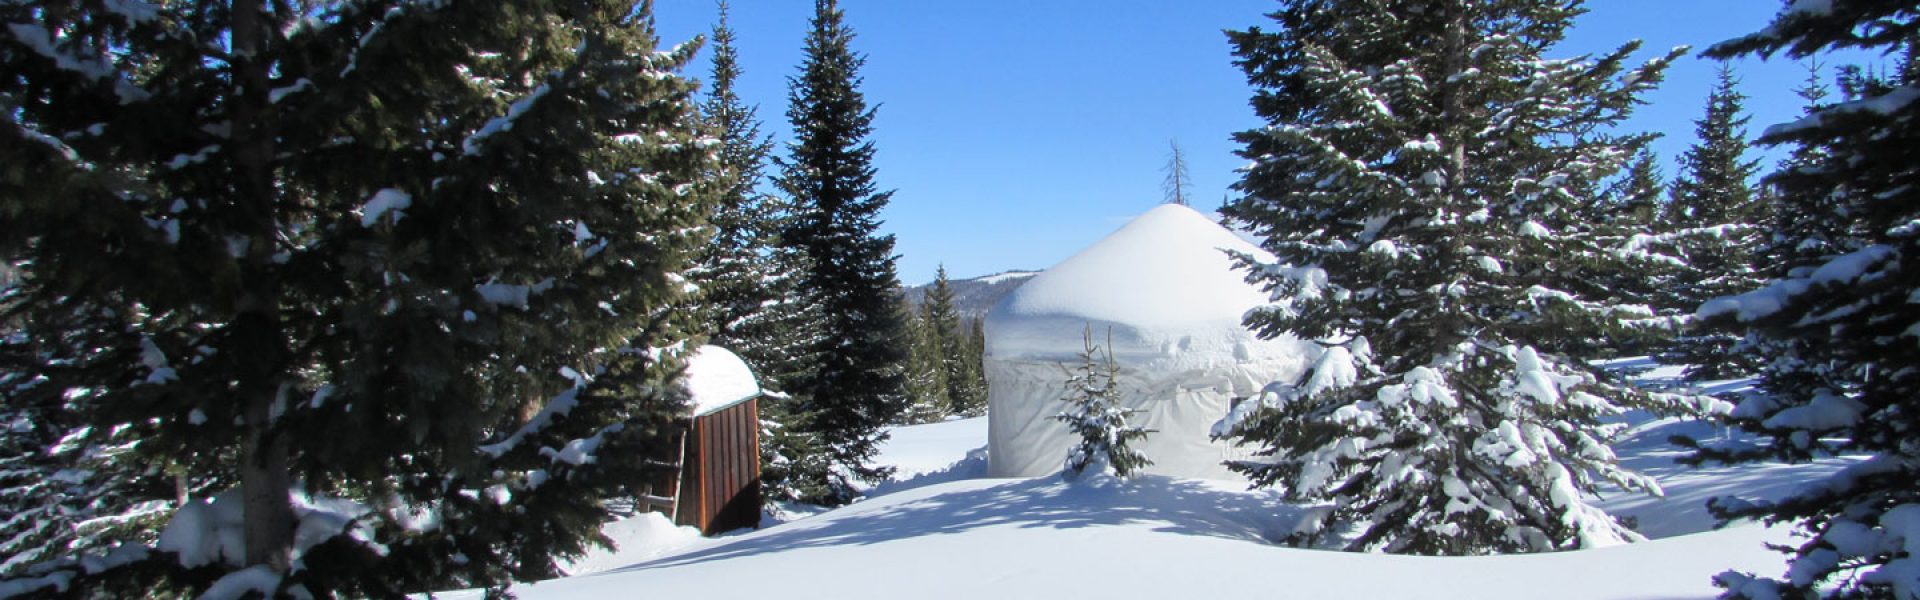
1634,200
1094,414
454,233
966,388
1177,183
751,281
926,387
781,342
1721,218
736,274
1837,328
1629,218
856,383
1805,227
1432,175
976,353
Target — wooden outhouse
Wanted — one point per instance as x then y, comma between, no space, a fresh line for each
718,486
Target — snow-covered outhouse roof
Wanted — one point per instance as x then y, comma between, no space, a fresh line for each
1163,283
716,378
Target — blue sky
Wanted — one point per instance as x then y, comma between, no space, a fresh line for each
1017,132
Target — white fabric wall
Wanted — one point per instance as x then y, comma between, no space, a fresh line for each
1181,407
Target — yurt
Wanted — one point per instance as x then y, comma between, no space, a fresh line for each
1165,290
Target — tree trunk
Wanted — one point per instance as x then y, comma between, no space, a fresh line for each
265,479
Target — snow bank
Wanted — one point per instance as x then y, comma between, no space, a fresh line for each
635,539
919,449
716,378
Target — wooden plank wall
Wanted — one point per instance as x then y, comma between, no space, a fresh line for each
724,492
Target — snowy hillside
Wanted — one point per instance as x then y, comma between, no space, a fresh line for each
939,534
972,298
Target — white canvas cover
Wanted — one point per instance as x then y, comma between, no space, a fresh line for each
1165,288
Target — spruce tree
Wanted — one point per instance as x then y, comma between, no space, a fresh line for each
1431,175
1837,328
1629,219
926,371
1105,446
1634,201
376,300
1721,217
855,383
736,273
750,281
1804,227
976,353
966,389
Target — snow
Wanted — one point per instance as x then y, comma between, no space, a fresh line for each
1810,7
999,277
559,405
931,448
1163,283
204,533
1154,537
471,146
1765,302
385,201
275,95
42,42
637,539
238,584
1163,294
716,378
1884,104
943,532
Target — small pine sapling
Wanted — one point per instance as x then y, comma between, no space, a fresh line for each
1094,414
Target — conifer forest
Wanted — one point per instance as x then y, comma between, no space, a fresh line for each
445,299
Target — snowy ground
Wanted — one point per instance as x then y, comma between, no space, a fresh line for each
941,531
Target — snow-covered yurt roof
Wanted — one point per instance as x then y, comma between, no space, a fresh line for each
716,378
1163,283
1166,288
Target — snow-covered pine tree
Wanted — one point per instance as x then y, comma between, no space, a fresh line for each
1094,414
1720,221
1634,201
1839,327
1628,218
926,371
736,273
1429,174
855,384
387,284
780,342
966,387
750,282
1805,227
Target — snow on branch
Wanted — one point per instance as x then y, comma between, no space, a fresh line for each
1765,302
473,145
1884,104
558,406
96,68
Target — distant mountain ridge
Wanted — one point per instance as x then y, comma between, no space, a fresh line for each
972,298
